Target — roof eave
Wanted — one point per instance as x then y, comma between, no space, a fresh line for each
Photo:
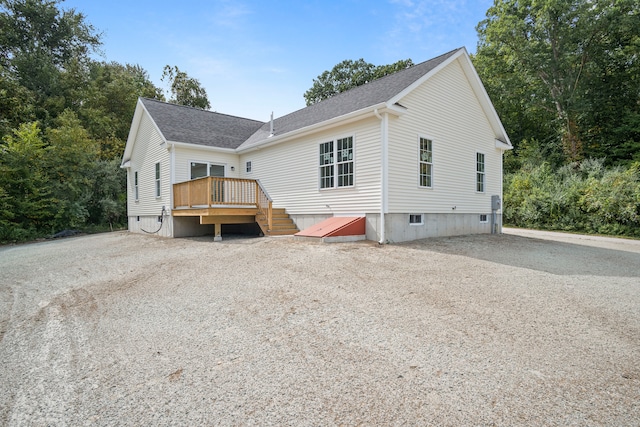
168,145
383,107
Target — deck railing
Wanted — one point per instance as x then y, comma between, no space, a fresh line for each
211,192
264,204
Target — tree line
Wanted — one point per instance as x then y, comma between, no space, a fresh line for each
564,76
64,121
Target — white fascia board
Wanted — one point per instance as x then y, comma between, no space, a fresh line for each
125,165
503,145
169,144
327,124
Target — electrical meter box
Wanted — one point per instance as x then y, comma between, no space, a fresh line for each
496,203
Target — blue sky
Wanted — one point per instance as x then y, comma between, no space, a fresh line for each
254,57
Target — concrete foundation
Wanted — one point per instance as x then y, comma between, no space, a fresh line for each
398,229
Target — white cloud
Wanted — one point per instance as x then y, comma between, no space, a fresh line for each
230,14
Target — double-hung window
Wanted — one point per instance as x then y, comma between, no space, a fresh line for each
336,163
426,163
136,191
158,187
480,172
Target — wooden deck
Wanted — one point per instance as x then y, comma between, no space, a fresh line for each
229,201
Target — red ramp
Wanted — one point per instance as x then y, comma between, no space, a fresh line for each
336,226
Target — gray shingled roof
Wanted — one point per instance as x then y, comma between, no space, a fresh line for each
191,125
358,98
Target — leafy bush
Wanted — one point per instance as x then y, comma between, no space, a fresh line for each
585,197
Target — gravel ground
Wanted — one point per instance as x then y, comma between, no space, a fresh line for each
522,328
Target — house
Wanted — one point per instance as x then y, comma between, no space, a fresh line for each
417,153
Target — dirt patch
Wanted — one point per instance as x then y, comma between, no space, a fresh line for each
475,330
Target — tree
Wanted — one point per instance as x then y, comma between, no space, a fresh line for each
25,199
349,74
38,41
185,90
71,156
553,57
107,102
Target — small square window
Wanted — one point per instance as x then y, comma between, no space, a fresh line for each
483,218
415,219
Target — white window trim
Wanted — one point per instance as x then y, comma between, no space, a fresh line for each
420,161
486,219
334,141
157,175
248,166
484,173
416,223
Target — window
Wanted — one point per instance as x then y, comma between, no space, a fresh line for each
135,185
426,163
415,219
337,156
480,172
202,169
248,167
326,165
483,218
158,188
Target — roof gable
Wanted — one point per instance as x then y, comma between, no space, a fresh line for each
178,123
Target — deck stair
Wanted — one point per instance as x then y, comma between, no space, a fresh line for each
283,225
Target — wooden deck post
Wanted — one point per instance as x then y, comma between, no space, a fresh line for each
217,232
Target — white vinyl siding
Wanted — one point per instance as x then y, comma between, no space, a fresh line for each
290,172
146,153
446,110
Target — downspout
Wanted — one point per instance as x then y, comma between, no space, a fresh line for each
384,160
172,177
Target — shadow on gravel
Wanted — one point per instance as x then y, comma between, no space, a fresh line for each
537,254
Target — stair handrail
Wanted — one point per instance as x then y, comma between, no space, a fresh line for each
261,193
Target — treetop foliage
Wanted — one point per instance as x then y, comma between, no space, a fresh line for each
349,74
185,90
565,73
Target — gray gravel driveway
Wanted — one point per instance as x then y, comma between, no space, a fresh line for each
522,328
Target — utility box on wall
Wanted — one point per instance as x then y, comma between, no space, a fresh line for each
496,203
